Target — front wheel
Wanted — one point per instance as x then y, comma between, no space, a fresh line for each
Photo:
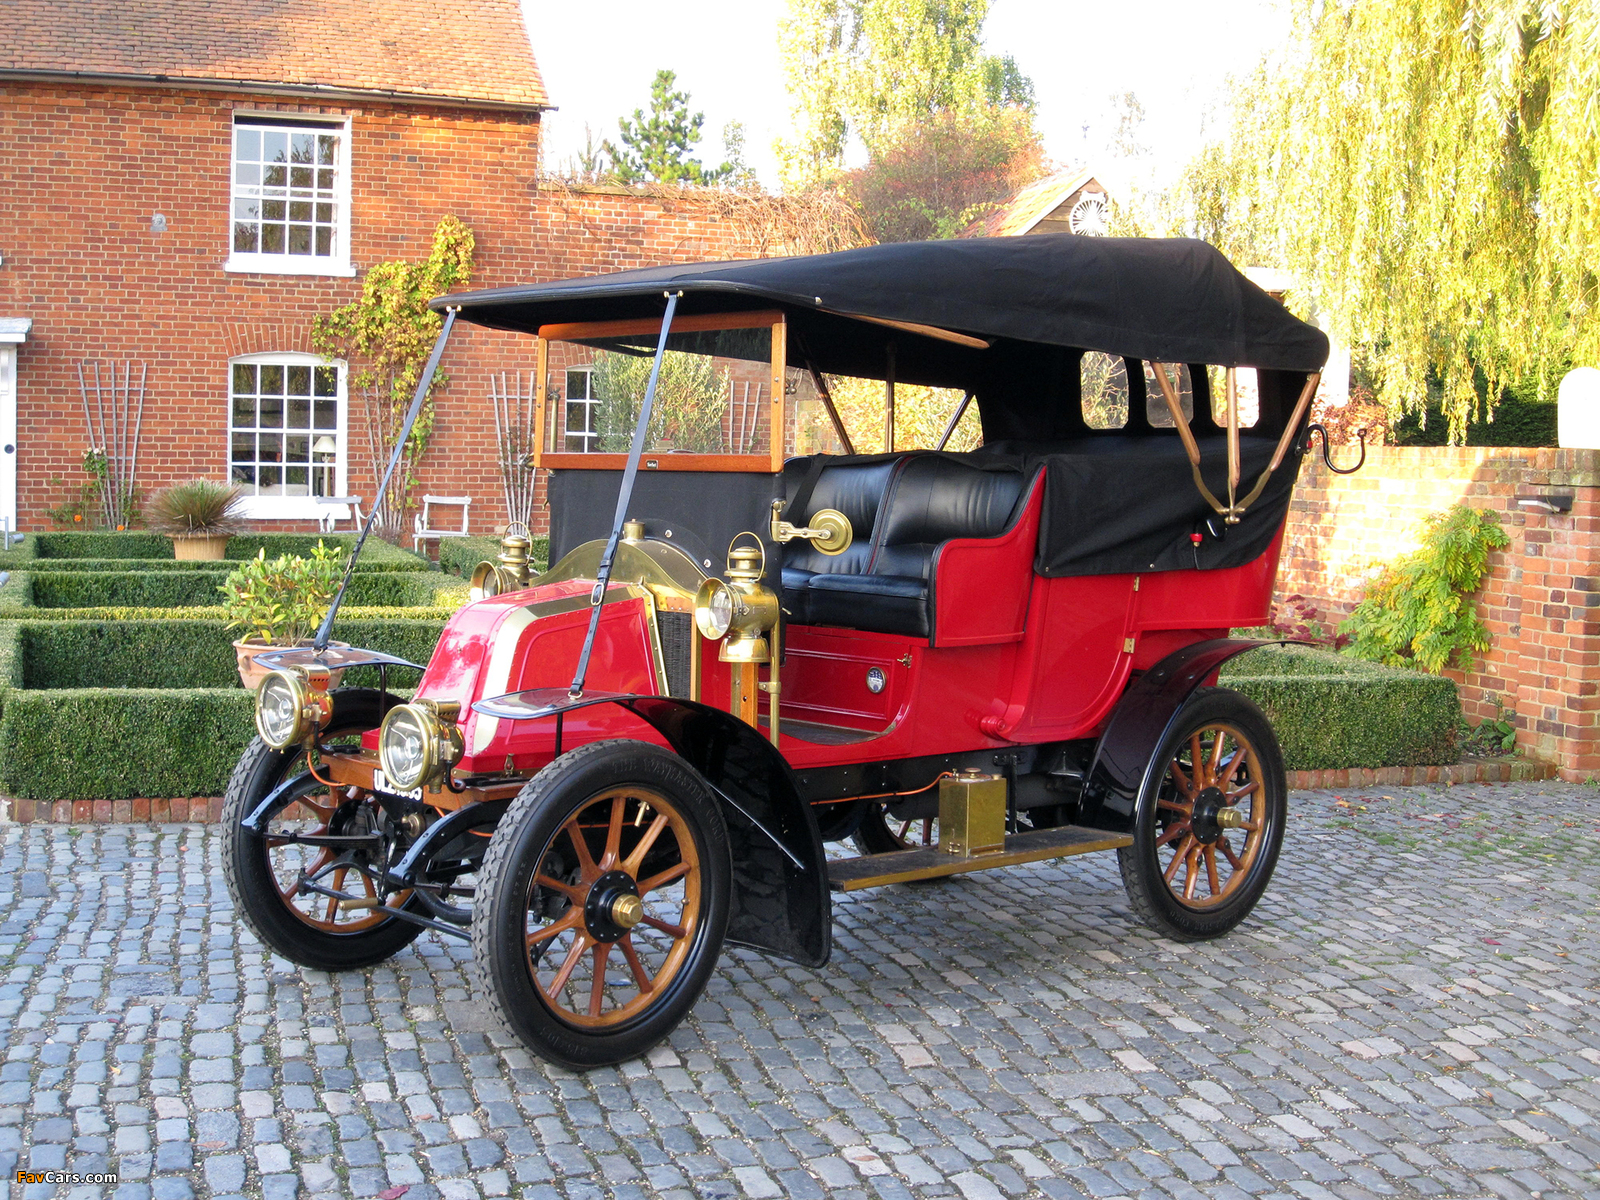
272,877
1206,838
604,898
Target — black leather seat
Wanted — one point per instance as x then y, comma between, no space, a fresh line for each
855,489
931,500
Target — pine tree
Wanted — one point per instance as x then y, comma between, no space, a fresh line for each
656,148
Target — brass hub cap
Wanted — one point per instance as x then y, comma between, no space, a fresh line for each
1211,819
613,907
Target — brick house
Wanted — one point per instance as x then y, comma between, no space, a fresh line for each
186,184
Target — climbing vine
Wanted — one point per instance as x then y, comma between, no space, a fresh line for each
385,336
1419,611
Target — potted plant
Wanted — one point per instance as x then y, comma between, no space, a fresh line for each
199,517
278,602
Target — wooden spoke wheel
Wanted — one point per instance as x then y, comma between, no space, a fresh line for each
1206,837
881,831
266,874
603,899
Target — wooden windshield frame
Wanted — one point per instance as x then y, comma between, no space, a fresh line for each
769,463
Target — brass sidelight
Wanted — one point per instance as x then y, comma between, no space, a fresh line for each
510,572
741,612
972,813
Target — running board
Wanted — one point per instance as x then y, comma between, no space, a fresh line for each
903,866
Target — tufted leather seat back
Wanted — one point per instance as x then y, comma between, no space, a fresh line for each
934,500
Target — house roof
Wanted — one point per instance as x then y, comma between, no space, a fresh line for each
1029,206
474,51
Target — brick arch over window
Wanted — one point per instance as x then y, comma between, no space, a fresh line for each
267,337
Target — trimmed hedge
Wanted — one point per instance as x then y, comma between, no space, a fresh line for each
459,556
122,743
148,546
177,589
1330,711
178,654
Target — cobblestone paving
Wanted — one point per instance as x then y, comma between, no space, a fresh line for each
1412,1011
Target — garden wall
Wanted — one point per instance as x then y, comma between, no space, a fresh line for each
1539,602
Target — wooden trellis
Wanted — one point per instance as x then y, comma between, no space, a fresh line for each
114,419
516,435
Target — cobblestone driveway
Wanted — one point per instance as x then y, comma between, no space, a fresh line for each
1412,1011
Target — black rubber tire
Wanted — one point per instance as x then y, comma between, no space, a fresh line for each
499,928
244,857
1148,893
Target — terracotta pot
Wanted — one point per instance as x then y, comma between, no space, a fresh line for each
251,673
195,547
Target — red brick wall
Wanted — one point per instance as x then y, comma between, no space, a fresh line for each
1539,601
81,173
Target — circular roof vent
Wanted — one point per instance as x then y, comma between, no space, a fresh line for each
1090,216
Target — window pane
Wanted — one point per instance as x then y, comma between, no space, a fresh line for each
327,381
302,147
1155,400
297,481
327,147
301,177
1104,380
272,379
248,143
324,241
244,377
322,481
243,447
272,412
271,447
297,448
244,238
299,210
327,415
273,210
248,174
299,239
325,179
275,177
299,413
271,480
274,145
244,475
299,381
272,239
244,411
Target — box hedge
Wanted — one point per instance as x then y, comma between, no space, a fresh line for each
1330,711
376,555
176,589
460,556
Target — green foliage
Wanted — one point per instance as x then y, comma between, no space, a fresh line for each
94,502
91,545
200,507
282,600
122,743
689,405
1333,712
934,176
1427,168
1419,611
459,556
870,68
1490,737
386,337
194,589
656,148
1519,418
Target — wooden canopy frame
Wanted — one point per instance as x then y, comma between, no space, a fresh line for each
771,462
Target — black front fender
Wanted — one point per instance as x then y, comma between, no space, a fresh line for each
1123,766
781,901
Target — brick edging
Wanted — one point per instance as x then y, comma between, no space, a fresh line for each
209,808
1489,771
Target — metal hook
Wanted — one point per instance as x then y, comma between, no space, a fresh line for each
1361,437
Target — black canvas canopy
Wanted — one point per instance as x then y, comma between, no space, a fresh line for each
1157,299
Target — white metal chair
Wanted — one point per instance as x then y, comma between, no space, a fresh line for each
336,509
424,531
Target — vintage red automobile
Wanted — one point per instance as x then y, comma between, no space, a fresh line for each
754,640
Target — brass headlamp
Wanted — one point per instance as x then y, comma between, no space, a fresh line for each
741,610
292,704
418,742
510,572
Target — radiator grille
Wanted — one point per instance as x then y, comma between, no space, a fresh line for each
677,638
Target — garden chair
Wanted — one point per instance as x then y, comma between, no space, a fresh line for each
424,530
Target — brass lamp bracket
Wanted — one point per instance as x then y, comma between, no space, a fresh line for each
830,530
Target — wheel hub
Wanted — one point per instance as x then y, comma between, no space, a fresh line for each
1212,815
613,906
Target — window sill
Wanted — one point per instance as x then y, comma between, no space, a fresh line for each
290,508
284,264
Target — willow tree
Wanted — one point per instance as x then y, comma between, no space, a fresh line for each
1431,168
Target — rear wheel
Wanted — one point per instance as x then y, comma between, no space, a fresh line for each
1206,839
602,903
271,877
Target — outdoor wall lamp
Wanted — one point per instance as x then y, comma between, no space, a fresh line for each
1558,502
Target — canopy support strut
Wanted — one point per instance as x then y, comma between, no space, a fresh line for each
1233,510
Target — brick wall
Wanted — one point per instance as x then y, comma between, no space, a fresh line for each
82,171
1542,594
